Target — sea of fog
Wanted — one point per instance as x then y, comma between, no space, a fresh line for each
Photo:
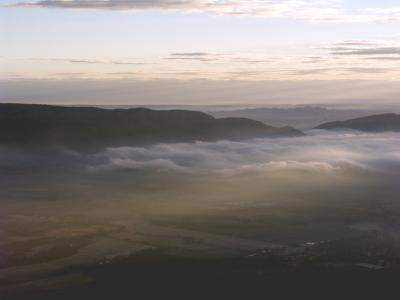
318,151
60,207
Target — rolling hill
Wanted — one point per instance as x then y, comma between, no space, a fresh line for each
374,123
89,127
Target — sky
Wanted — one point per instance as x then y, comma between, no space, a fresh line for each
155,42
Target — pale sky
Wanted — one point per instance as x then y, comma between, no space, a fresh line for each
287,40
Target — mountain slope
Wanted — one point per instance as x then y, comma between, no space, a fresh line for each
95,127
374,123
302,117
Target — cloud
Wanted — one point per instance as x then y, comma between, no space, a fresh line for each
226,58
276,166
319,152
360,57
87,61
195,56
326,11
154,165
190,54
191,58
367,70
315,71
357,43
344,70
366,48
366,51
349,59
383,58
116,4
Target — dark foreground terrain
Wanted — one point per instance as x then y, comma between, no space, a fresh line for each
125,235
320,271
316,215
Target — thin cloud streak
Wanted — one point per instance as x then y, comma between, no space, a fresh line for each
366,51
322,11
88,61
191,54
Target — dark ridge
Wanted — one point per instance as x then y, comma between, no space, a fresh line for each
374,123
89,127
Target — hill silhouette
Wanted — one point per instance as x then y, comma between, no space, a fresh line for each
374,123
88,127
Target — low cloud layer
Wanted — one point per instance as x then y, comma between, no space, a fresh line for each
319,152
